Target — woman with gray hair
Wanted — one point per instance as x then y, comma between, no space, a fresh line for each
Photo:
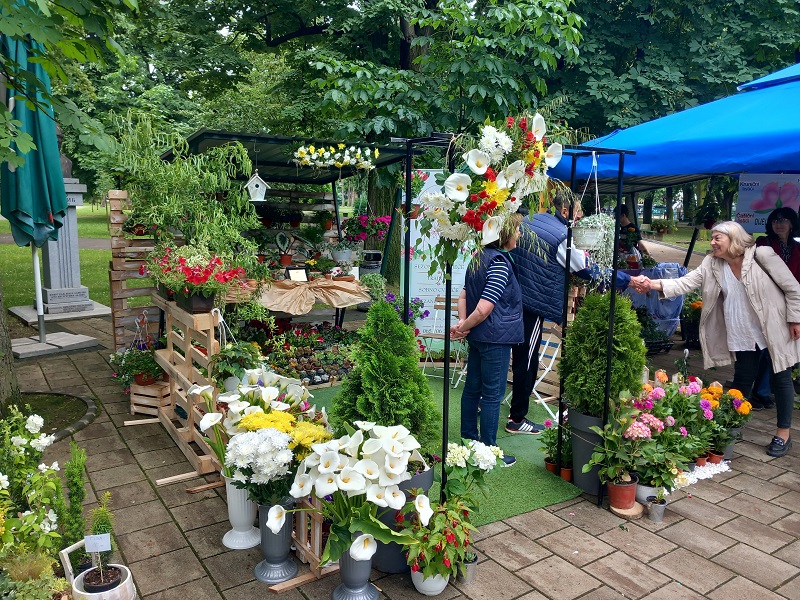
751,301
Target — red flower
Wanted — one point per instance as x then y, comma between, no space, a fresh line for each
450,537
490,174
509,122
422,556
399,517
446,562
523,123
415,567
529,136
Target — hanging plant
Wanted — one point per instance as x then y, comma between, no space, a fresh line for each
595,234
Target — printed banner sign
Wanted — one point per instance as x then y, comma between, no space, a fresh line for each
760,194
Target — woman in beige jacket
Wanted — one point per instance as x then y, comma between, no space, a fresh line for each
751,301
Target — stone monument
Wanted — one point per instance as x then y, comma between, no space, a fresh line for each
62,291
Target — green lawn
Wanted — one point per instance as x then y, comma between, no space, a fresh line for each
683,236
92,222
16,271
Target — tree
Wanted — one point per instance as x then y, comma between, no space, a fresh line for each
9,387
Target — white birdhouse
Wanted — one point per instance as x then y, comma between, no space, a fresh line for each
257,188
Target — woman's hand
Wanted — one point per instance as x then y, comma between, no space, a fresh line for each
456,333
794,330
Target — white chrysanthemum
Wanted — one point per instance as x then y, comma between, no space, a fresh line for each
461,209
440,202
460,232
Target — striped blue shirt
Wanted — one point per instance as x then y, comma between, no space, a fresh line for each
497,277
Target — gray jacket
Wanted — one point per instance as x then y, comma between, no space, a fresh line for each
773,292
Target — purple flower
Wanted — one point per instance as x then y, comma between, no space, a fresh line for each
390,297
737,403
705,405
425,314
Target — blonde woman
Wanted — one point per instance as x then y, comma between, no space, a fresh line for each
751,301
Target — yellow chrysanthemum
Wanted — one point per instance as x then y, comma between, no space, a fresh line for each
744,408
304,435
714,403
734,393
717,391
282,421
707,396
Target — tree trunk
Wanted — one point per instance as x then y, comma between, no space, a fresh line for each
668,200
689,207
9,388
647,209
381,201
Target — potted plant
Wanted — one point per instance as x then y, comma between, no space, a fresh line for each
595,234
690,319
135,365
324,218
227,366
342,250
295,217
28,575
416,307
376,286
313,238
549,439
362,227
285,243
583,370
662,226
441,535
73,523
731,412
656,505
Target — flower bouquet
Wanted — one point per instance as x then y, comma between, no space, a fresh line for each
354,476
508,166
466,466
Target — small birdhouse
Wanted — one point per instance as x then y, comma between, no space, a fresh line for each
257,188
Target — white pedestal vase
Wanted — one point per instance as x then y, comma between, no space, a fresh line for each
242,515
355,579
429,586
277,565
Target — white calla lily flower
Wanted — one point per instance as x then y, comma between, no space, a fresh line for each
344,461
417,457
553,155
268,377
276,518
301,486
423,506
538,127
349,480
377,495
253,409
386,478
280,406
328,462
456,187
363,547
325,485
354,443
312,460
229,397
368,468
364,425
410,444
237,407
251,376
206,391
395,497
268,394
230,423
477,160
395,464
209,420
371,446
393,447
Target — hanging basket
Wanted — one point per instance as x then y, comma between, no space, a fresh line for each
587,238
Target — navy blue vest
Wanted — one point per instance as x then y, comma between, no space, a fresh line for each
504,323
540,275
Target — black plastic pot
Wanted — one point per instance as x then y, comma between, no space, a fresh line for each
101,587
583,442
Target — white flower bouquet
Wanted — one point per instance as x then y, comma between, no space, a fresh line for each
354,476
466,466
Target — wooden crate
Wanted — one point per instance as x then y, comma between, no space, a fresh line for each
148,399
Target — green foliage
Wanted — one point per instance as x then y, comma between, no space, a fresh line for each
618,455
387,386
583,362
134,361
73,524
101,520
232,360
376,284
663,225
29,576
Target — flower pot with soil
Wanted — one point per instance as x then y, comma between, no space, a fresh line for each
118,584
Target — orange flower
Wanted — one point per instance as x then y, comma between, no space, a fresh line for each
697,305
735,393
647,388
714,404
661,376
744,408
707,396
716,390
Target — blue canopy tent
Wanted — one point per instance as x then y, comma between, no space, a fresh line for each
756,130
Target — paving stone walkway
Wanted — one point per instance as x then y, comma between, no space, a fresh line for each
732,537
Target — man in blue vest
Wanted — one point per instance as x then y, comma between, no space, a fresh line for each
540,265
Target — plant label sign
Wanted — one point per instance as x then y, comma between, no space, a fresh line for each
98,543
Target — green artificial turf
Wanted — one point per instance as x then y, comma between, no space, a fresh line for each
521,488
16,271
92,222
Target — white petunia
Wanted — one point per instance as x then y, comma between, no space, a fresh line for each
276,518
423,506
209,420
377,495
363,547
395,498
477,160
457,186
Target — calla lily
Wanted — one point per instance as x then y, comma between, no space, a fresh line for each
253,409
423,506
251,376
237,407
301,486
276,518
268,377
355,442
393,447
395,498
325,485
410,444
363,547
209,420
514,172
350,480
229,397
281,406
371,446
344,461
553,155
398,432
491,230
206,391
417,457
538,127
396,464
477,160
329,462
364,425
298,391
377,495
456,187
386,479
368,468
268,394
230,423
312,460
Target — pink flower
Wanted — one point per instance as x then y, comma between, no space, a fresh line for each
694,387
708,414
548,423
657,393
637,429
670,421
651,421
683,431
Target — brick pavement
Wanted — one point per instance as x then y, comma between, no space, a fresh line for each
731,537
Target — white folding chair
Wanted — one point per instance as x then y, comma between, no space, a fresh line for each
439,305
546,385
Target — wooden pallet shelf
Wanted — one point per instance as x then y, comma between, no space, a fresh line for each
148,399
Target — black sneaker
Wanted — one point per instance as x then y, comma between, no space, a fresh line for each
525,426
779,447
508,461
760,403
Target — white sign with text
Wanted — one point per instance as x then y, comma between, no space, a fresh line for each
760,194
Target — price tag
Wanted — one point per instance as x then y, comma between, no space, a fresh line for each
98,543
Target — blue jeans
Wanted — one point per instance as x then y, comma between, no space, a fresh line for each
487,373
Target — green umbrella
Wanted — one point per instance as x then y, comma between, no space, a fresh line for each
32,197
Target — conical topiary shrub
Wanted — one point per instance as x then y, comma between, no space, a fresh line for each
386,385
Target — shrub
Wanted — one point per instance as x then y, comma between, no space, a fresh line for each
74,525
583,363
102,521
386,385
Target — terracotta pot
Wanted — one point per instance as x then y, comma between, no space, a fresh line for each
144,379
345,278
285,260
550,465
701,461
294,224
715,458
328,225
260,258
566,473
622,495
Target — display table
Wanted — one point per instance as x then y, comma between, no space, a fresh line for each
299,297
